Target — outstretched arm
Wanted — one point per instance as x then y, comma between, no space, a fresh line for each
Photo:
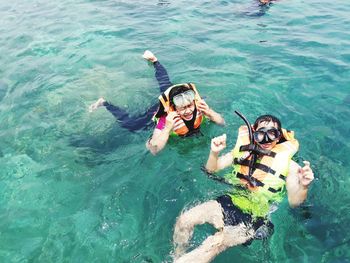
210,113
216,163
298,182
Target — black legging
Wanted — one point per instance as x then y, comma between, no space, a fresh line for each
134,123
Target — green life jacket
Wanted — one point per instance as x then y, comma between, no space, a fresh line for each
270,174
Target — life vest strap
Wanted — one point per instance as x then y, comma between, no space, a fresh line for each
256,182
164,97
253,181
274,190
265,168
282,176
240,161
259,166
256,149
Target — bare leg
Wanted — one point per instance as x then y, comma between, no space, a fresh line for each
230,236
208,212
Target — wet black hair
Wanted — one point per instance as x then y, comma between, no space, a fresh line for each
268,118
176,91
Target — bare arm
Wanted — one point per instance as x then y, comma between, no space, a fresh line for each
158,140
160,137
298,182
210,113
216,163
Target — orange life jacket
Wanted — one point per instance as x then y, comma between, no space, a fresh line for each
180,127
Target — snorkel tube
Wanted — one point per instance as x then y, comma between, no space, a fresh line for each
252,147
249,126
251,142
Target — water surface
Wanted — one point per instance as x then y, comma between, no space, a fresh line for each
76,187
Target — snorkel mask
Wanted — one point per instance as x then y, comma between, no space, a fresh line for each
184,99
264,135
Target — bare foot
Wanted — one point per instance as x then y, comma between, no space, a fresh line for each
97,104
148,55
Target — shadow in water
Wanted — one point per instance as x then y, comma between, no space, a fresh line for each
94,149
330,233
121,133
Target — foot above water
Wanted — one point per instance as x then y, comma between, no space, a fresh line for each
96,104
148,55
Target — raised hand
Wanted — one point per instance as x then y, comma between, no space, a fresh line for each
218,143
305,174
170,119
203,107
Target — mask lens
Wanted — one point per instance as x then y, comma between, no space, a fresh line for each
259,136
273,134
264,136
184,98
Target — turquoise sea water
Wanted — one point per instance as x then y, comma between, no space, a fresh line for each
76,187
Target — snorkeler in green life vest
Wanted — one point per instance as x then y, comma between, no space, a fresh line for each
263,172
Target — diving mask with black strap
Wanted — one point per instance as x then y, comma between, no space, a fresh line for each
266,135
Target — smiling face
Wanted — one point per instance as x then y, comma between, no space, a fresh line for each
182,99
267,126
186,111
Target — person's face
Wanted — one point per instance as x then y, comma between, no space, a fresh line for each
184,103
269,128
186,111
